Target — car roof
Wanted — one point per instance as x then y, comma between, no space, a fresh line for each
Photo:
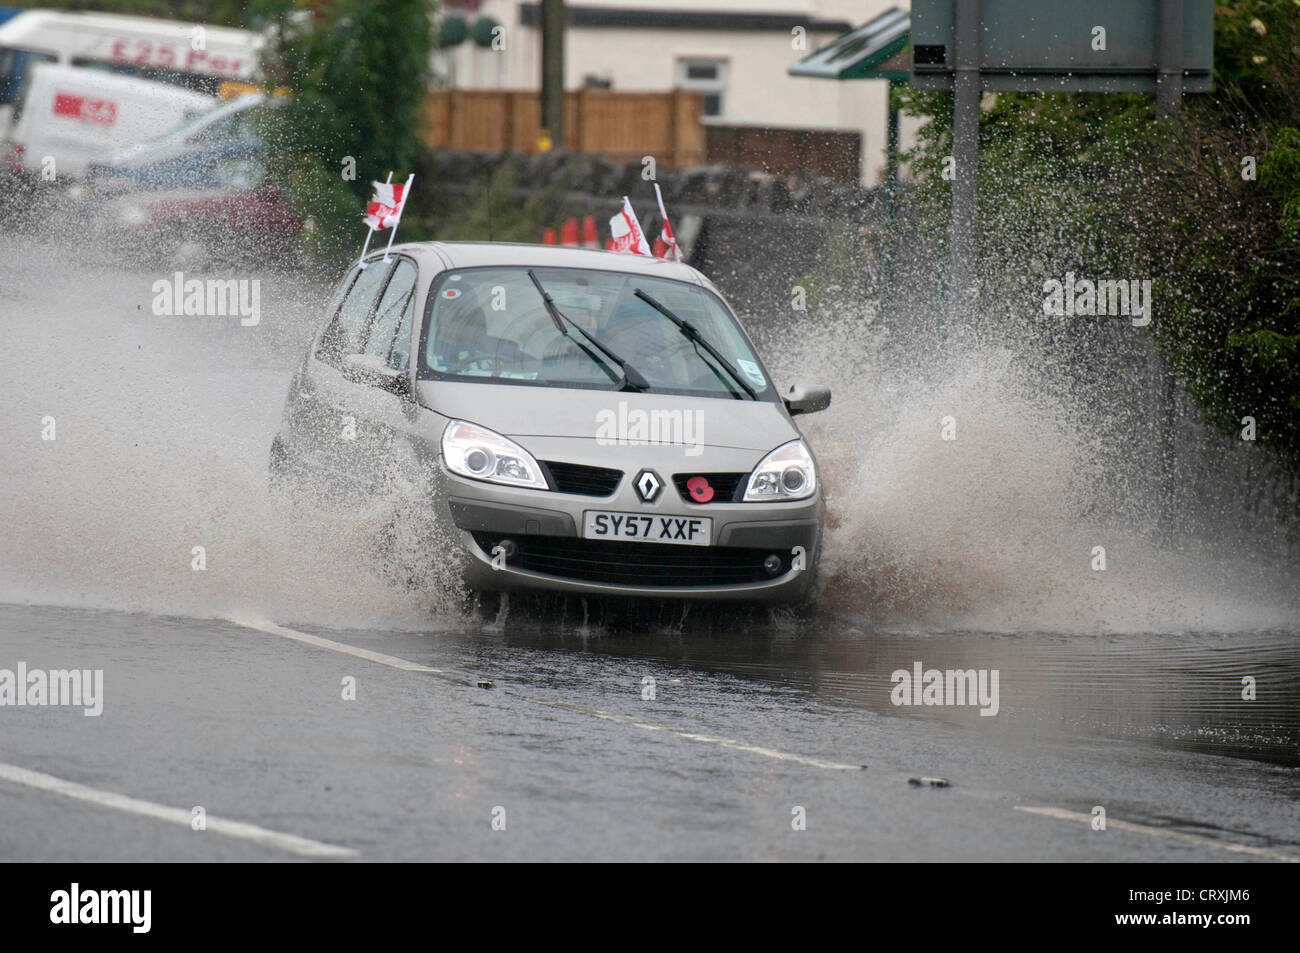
440,255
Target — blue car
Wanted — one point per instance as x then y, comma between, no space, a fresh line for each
193,156
200,168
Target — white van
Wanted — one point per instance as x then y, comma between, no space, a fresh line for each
189,55
77,116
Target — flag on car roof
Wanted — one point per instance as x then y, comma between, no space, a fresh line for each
385,207
670,249
625,232
384,210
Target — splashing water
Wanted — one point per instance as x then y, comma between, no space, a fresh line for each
995,528
164,424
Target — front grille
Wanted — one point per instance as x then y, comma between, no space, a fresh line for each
589,481
727,487
636,564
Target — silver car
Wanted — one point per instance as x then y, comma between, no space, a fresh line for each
559,419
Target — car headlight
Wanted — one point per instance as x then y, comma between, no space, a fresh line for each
482,454
787,473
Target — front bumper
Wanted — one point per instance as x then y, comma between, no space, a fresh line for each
546,551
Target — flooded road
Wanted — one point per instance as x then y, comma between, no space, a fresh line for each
312,711
748,733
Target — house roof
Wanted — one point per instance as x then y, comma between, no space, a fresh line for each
674,17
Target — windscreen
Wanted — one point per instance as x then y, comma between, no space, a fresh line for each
493,323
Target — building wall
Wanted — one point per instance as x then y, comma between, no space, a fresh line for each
758,90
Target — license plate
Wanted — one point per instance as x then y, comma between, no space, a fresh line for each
644,528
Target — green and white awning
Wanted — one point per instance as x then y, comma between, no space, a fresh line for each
875,50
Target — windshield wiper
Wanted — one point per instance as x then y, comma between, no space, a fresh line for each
631,380
693,335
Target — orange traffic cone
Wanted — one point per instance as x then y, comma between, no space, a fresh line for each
548,236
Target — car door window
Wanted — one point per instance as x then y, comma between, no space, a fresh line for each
16,63
239,174
243,125
343,335
400,355
392,307
249,124
336,299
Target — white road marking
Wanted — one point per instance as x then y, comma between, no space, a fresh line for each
391,661
174,815
1198,839
707,739
394,662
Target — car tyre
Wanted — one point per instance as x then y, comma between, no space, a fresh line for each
284,474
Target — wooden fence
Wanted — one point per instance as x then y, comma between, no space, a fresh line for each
623,126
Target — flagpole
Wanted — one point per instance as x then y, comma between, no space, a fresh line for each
406,192
663,214
660,196
370,234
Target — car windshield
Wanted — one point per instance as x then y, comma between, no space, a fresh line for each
237,119
492,323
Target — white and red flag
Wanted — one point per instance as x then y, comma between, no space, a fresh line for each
671,251
625,232
385,206
384,210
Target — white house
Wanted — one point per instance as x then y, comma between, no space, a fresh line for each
735,52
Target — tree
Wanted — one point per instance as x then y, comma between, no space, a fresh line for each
1226,216
1095,183
357,71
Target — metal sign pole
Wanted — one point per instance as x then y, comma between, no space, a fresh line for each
1169,92
965,153
1169,59
891,207
552,23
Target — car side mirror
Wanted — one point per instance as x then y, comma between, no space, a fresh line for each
806,399
373,371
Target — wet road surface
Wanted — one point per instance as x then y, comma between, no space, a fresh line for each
249,722
224,690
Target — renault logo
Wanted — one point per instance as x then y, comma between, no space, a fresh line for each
648,485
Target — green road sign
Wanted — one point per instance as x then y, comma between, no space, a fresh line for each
1098,46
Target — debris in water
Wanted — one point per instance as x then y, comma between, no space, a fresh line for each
932,782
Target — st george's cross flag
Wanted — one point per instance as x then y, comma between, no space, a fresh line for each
385,207
625,232
384,210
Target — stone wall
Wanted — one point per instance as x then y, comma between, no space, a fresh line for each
753,233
